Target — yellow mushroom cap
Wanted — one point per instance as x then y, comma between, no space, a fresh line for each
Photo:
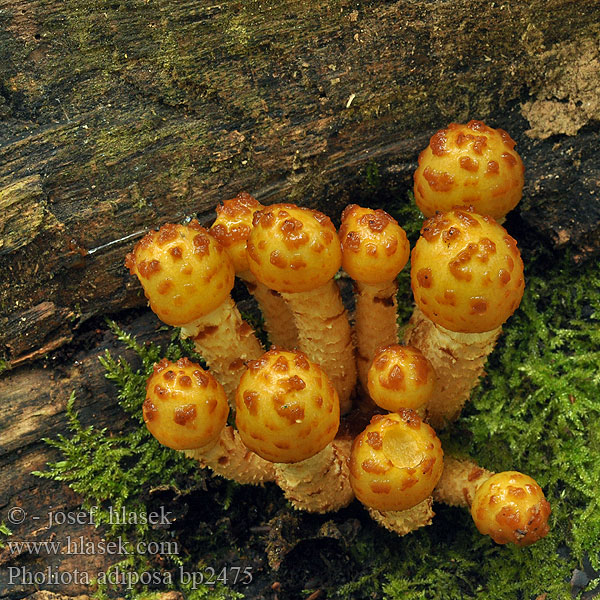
184,271
233,225
395,462
466,272
185,406
469,165
293,249
400,377
374,247
287,410
511,507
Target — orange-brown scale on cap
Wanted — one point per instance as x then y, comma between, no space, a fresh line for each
282,397
474,283
250,401
291,412
376,220
293,249
459,266
510,507
276,259
230,236
173,264
372,466
201,243
480,126
374,247
493,168
439,181
451,235
185,407
508,141
400,377
470,164
185,414
438,143
281,365
373,438
167,233
148,268
292,233
395,462
424,277
433,227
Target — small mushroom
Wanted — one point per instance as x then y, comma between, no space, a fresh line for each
296,252
467,279
395,463
510,506
374,250
232,228
401,377
288,413
469,165
186,409
187,277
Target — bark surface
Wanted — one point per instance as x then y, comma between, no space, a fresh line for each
119,116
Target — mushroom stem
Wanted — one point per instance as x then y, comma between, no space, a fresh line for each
405,521
324,335
278,318
321,483
374,250
458,360
459,481
229,458
375,321
226,342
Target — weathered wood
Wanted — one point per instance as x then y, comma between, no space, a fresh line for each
33,407
118,117
22,207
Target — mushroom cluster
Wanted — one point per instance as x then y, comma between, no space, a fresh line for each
326,367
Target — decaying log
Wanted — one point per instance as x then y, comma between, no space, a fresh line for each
119,117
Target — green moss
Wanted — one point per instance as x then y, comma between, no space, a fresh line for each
108,469
372,175
5,532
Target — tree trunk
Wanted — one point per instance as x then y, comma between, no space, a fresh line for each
118,117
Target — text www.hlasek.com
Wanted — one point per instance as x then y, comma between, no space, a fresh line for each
80,545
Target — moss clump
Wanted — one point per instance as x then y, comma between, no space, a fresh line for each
5,532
